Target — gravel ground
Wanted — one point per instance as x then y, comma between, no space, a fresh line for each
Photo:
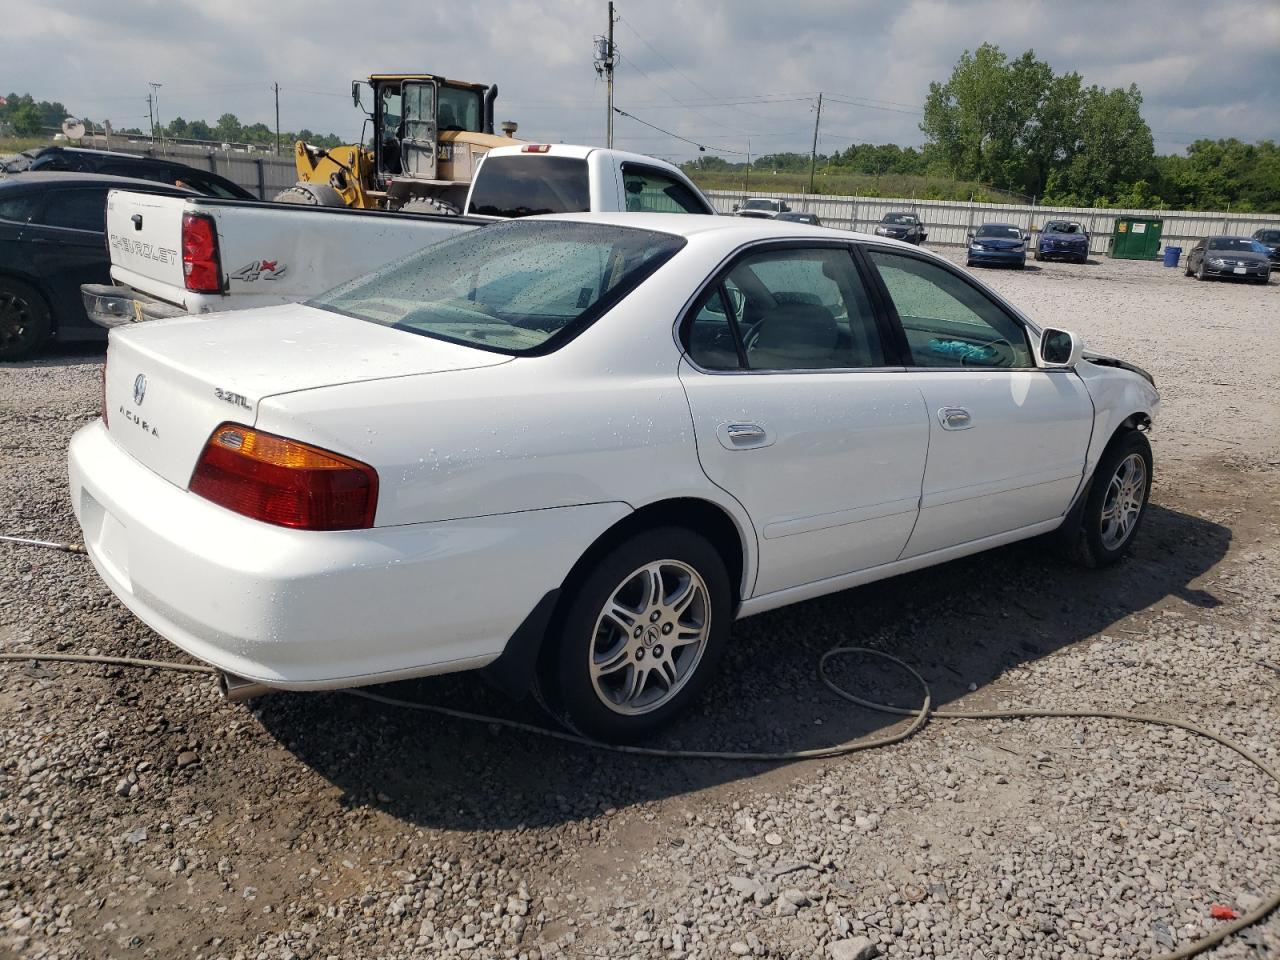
142,817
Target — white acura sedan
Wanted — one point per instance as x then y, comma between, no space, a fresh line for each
572,450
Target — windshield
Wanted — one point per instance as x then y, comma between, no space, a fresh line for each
1269,236
903,218
1062,226
1234,244
1003,231
459,109
527,184
513,288
759,205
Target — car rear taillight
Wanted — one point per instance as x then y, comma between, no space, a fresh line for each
200,266
282,481
536,148
105,421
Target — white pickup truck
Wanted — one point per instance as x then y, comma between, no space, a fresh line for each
172,256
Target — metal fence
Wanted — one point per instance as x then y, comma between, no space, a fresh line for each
949,221
262,174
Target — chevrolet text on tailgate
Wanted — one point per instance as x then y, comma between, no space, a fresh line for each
172,256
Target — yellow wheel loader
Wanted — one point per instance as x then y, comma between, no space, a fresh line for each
429,133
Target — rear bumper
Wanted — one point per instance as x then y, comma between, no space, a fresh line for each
310,610
111,306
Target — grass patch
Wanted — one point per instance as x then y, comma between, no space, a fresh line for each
10,145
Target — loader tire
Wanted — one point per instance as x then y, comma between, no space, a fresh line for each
429,205
298,195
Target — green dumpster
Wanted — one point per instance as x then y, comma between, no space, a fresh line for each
1136,238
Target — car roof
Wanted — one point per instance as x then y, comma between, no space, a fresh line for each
741,229
67,178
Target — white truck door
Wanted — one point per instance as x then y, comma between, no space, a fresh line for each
418,146
1007,439
797,416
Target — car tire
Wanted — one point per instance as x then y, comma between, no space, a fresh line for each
25,320
1036,256
1115,505
1200,275
1020,265
614,626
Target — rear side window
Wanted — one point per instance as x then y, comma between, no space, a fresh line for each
76,210
530,184
17,208
648,190
788,309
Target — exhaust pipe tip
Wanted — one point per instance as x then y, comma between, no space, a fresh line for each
237,689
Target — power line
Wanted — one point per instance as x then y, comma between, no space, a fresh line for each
678,100
675,136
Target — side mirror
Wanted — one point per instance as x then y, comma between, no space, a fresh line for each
1060,348
736,207
969,234
923,235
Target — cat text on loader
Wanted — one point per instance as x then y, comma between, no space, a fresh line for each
429,134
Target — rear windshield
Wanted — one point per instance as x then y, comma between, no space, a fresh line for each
760,205
529,184
515,288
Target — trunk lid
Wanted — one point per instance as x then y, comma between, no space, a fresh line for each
169,383
144,232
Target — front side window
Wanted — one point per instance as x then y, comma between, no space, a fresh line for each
792,309
526,185
651,191
76,210
948,322
515,288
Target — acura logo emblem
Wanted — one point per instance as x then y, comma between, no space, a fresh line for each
139,388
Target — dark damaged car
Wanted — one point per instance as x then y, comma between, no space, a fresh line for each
53,239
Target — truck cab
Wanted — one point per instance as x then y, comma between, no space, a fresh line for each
536,178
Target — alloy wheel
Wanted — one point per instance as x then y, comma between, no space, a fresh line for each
15,320
1126,494
650,637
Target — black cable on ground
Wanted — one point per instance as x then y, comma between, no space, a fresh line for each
919,717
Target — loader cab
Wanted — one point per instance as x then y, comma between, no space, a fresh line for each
410,113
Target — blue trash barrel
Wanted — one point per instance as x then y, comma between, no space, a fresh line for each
1171,256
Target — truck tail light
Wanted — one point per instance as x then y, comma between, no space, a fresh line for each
103,395
201,268
282,481
536,148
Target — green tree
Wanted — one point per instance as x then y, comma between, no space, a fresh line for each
1116,149
25,119
228,127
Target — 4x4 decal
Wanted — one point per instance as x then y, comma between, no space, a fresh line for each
260,270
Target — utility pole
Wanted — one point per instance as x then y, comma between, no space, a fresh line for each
151,117
746,178
155,122
813,154
277,87
608,73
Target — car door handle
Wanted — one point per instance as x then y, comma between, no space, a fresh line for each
743,436
954,418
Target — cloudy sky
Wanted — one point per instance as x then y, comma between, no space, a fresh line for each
725,73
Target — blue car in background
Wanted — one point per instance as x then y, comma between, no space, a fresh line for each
1063,240
997,244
